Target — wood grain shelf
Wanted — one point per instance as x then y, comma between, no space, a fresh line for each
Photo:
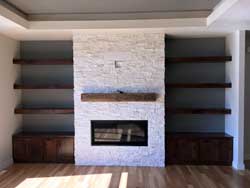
198,111
208,59
44,111
198,85
43,62
118,97
43,86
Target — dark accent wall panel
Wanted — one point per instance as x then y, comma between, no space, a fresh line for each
47,74
195,73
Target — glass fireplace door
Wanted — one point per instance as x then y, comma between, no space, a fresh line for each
114,132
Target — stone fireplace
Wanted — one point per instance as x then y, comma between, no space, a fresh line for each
111,63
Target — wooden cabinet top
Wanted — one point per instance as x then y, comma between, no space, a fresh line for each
45,134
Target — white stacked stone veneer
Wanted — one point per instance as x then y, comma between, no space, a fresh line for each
140,68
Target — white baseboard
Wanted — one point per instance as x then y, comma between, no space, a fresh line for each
238,166
5,163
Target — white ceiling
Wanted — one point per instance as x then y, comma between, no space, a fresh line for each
109,6
234,15
237,14
227,17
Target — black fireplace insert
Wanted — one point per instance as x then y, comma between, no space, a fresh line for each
119,133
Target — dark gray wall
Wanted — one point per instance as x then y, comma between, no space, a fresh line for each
195,73
247,100
47,74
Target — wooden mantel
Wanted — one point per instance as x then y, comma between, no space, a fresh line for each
118,97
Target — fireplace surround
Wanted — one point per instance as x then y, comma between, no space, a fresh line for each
141,69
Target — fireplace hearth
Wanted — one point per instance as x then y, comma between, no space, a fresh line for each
119,132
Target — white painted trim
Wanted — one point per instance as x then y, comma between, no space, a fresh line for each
120,15
219,10
242,41
238,166
10,15
235,73
238,132
13,8
119,24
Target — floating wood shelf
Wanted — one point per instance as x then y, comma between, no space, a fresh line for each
43,62
198,110
43,86
198,85
118,97
44,111
209,59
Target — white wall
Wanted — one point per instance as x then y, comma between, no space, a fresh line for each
9,123
141,70
235,73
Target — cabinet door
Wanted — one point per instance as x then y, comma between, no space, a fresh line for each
65,149
209,151
188,150
225,151
182,150
35,149
171,151
20,150
50,150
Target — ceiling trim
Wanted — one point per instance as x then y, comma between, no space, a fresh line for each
119,15
11,15
60,28
118,24
220,9
13,8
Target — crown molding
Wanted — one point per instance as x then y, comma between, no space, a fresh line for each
119,15
11,14
219,10
118,24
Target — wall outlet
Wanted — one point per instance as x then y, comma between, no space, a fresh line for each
118,64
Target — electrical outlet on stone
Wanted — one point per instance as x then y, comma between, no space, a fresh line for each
118,64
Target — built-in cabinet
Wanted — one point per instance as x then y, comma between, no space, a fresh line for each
34,147
195,102
47,102
199,149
